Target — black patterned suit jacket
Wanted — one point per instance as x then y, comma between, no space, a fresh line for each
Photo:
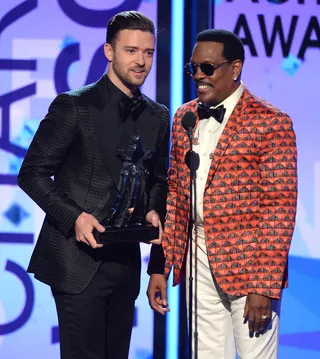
71,166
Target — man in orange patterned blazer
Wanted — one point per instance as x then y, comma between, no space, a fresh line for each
246,204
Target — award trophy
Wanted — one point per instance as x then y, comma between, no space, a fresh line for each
125,221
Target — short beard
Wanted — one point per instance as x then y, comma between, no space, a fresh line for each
125,78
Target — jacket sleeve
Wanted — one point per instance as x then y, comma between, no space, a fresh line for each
170,222
47,152
156,261
159,174
161,259
159,190
278,186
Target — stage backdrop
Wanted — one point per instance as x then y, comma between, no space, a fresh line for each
282,43
46,47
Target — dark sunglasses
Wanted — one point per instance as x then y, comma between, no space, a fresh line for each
207,69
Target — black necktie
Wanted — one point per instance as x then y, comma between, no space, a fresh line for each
204,111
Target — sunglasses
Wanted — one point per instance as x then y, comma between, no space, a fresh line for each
207,69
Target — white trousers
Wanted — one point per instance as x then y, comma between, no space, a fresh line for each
220,325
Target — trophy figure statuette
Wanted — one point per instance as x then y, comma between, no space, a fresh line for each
126,221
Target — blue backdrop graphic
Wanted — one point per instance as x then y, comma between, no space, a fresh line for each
282,41
46,47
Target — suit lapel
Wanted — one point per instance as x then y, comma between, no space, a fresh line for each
232,127
183,137
148,127
103,114
107,133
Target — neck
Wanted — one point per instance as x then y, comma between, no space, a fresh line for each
233,89
236,85
128,90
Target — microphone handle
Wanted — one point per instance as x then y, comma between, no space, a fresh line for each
190,227
193,297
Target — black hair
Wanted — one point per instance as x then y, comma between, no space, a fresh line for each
128,20
233,48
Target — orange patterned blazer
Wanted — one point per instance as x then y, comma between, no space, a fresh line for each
249,201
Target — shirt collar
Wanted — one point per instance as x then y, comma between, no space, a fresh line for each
230,102
117,95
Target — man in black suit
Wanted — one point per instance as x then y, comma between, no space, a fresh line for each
72,171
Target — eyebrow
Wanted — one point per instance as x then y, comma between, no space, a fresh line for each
137,48
206,62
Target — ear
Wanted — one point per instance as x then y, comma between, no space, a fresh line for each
237,68
108,52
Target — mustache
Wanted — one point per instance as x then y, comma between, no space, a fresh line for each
139,68
198,83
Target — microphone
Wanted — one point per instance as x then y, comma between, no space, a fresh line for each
188,122
192,159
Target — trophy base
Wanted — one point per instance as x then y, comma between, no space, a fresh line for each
130,233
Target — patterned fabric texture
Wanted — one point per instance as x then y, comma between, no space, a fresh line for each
249,201
70,167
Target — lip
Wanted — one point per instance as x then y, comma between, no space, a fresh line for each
138,72
203,89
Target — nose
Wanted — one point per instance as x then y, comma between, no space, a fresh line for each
140,59
199,74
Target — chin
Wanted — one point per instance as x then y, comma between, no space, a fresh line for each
135,82
206,98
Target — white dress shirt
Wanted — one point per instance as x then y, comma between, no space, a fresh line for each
208,133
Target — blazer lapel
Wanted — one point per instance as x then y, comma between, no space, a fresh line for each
106,130
183,138
103,112
233,125
148,127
